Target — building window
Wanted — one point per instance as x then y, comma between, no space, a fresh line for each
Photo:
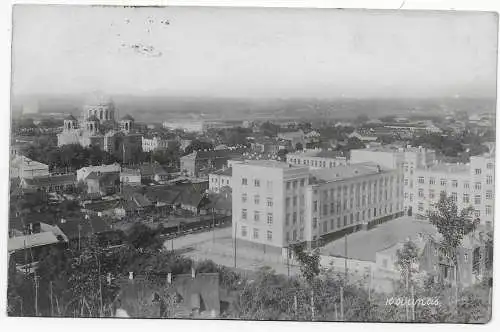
466,198
301,233
256,216
325,209
420,179
288,185
255,233
294,217
315,206
287,202
489,194
432,194
244,181
315,222
243,198
432,180
443,182
269,185
477,185
345,220
287,220
294,235
478,171
477,199
287,237
477,213
332,208
256,199
420,192
466,185
244,231
244,214
294,200
338,222
357,216
325,227
489,179
256,183
454,183
454,197
269,218
489,210
269,236
332,224
466,257
269,201
295,184
406,182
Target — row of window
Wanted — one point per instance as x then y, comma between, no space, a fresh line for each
315,163
255,233
256,183
454,183
295,184
256,216
454,196
256,199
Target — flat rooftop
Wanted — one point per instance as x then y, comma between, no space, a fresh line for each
450,168
269,164
364,245
349,171
318,153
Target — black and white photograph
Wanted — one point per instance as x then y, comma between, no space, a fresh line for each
250,163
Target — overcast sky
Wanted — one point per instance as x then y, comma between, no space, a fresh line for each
235,52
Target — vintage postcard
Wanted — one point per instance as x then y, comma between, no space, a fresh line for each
252,163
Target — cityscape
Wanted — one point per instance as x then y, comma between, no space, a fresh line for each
296,198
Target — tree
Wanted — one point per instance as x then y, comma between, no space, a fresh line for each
299,146
406,259
309,262
197,145
269,129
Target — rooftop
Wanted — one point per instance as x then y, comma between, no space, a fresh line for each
318,153
268,163
450,168
226,172
51,180
364,245
345,172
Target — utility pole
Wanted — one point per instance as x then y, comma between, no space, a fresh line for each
341,303
345,261
36,295
213,225
235,242
51,303
412,304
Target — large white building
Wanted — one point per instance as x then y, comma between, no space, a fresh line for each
404,160
278,204
316,158
469,185
154,144
83,172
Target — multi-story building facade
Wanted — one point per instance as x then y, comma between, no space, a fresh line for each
154,144
349,198
220,179
469,185
316,159
279,204
404,160
260,190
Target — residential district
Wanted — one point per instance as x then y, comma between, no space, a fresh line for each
282,219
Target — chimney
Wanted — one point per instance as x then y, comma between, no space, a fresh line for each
169,278
193,273
131,276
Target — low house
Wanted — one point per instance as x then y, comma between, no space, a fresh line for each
102,184
220,179
25,246
130,176
83,172
153,172
173,296
101,208
219,204
134,204
54,183
194,200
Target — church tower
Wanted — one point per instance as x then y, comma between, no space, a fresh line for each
92,125
70,123
127,124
